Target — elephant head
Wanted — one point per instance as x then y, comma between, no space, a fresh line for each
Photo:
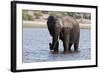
54,25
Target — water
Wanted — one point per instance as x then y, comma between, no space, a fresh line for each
36,46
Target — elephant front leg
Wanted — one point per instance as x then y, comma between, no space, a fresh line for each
56,50
69,49
66,40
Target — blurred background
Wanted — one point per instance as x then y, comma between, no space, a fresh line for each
39,18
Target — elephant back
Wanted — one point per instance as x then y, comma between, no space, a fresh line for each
69,22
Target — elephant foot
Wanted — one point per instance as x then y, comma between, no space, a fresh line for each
76,50
67,52
64,52
55,52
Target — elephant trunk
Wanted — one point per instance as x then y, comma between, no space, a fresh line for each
55,38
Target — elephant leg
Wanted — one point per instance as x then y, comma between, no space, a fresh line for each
66,39
76,46
70,44
76,43
56,47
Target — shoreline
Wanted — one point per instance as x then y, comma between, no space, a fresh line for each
42,24
82,26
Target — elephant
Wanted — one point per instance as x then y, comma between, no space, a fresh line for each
66,29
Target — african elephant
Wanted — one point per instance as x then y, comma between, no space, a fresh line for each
66,29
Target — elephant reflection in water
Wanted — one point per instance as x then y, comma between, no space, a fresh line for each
66,29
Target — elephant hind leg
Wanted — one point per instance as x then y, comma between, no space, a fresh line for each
70,44
76,44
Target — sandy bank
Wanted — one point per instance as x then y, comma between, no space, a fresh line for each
42,24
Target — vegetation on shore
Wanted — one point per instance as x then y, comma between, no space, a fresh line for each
32,15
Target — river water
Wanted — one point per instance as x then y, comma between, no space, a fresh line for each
36,46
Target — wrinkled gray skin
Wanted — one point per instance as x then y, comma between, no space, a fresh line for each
66,29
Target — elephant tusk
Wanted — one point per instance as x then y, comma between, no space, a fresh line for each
61,23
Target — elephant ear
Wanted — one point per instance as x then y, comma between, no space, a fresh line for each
49,21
